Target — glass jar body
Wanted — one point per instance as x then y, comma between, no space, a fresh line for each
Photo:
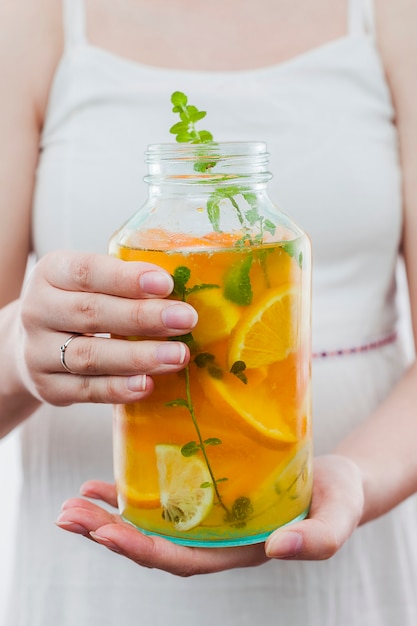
220,453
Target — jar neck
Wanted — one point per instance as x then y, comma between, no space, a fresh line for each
212,165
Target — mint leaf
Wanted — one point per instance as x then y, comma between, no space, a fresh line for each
212,441
184,137
269,226
190,448
179,100
213,210
238,288
238,369
181,277
252,215
204,137
291,248
215,372
185,130
242,509
203,359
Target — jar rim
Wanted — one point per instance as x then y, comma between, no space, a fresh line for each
212,163
228,149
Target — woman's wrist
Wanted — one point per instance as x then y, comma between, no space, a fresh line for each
17,401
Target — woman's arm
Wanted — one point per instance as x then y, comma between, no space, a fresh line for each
66,292
384,446
29,46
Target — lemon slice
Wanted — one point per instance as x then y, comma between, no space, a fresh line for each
184,500
216,315
268,331
294,477
289,486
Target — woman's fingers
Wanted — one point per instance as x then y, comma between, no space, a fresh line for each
100,273
98,356
80,516
99,490
98,377
336,511
70,298
100,313
86,518
109,298
97,369
66,389
156,552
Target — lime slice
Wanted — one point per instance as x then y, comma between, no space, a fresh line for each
185,487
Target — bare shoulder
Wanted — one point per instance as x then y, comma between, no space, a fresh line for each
30,46
396,29
396,32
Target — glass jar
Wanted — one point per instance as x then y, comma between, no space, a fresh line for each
220,453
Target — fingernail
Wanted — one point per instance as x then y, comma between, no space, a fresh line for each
179,316
156,283
105,542
284,545
171,353
73,527
87,493
137,383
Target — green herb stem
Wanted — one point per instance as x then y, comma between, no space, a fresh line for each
238,211
200,439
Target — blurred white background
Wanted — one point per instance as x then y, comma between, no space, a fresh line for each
9,488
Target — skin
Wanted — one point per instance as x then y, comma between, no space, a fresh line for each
91,293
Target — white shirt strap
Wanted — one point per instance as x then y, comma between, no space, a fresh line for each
361,17
74,23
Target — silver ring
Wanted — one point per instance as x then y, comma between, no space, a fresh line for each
63,348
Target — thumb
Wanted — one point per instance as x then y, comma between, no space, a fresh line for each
336,510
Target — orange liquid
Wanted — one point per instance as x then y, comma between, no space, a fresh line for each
260,419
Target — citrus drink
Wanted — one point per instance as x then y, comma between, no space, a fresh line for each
220,453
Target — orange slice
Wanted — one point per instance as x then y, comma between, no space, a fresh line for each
139,499
256,414
136,476
268,331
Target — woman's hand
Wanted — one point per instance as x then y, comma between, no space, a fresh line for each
73,293
336,511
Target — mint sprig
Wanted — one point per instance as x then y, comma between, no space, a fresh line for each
241,509
185,130
182,275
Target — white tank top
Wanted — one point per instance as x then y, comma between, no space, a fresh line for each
327,118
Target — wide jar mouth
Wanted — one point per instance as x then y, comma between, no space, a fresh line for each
222,149
211,162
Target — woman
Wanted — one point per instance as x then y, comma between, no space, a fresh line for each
330,87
